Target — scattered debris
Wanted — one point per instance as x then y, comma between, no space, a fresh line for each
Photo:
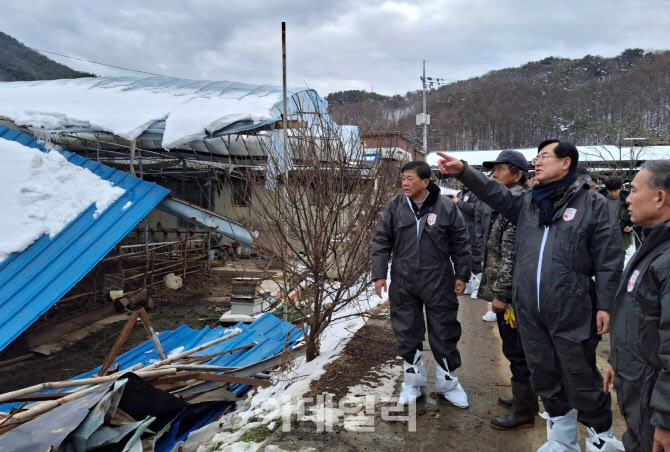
149,400
172,281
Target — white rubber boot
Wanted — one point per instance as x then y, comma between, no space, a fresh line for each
414,385
474,284
562,433
448,385
602,442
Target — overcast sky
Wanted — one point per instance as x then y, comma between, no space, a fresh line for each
333,45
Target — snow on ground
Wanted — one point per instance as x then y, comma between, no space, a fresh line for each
281,400
41,193
176,351
355,411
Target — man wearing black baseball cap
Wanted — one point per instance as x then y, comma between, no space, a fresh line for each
499,259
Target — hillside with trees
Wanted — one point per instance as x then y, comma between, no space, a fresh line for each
18,62
592,100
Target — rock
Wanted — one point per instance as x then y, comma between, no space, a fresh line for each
172,281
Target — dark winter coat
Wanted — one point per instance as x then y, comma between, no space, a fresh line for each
622,217
482,221
423,249
555,265
640,340
467,202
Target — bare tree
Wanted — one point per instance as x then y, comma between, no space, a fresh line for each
628,149
316,215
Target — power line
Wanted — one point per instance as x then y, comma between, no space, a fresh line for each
102,64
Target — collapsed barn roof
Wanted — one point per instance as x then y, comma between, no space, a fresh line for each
177,125
178,111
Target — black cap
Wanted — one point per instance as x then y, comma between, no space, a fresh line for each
516,158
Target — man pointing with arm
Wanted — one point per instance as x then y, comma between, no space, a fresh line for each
567,269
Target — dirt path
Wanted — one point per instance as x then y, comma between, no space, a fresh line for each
484,376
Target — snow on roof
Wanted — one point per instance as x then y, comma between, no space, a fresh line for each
33,280
127,106
586,154
394,153
43,193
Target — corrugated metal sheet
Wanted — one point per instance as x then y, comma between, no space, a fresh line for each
33,280
270,333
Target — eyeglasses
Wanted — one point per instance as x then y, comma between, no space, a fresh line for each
544,157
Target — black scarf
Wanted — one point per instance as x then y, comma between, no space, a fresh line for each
546,195
431,199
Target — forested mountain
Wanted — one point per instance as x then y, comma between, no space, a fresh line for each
18,62
592,100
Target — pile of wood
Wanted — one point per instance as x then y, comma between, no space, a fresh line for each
183,375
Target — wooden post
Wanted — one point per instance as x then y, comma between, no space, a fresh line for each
152,334
132,157
140,313
119,343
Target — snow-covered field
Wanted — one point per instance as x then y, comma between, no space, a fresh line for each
42,193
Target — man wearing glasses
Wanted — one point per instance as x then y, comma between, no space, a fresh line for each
567,270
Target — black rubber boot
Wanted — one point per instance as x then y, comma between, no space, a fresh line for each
507,402
522,415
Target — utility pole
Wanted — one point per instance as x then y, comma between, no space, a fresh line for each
284,121
424,118
285,127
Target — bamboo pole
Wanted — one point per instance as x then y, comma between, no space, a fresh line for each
152,334
43,407
82,382
224,352
203,367
193,350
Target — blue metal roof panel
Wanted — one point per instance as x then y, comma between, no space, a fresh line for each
33,280
271,333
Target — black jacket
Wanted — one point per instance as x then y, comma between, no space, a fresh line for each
467,203
640,322
555,265
423,250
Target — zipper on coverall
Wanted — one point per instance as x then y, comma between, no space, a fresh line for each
418,220
544,241
539,265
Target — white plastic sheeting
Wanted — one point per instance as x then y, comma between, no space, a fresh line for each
127,106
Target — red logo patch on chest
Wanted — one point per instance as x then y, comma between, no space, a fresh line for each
632,280
569,214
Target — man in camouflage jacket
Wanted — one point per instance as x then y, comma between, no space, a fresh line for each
499,259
